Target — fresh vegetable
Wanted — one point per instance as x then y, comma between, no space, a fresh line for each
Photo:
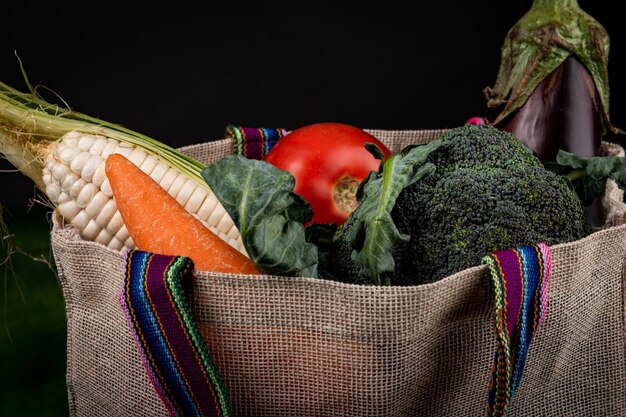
589,175
328,161
552,87
436,209
158,223
63,152
377,198
260,199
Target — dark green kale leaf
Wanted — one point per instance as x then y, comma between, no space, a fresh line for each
372,235
588,175
269,215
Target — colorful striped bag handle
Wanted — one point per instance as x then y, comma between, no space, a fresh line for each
171,347
180,368
520,279
253,142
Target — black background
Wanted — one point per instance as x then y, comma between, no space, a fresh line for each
180,72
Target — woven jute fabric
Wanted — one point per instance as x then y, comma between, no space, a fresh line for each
307,347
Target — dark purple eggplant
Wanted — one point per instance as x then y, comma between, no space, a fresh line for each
563,112
552,87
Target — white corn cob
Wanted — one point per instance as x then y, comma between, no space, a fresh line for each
63,152
75,182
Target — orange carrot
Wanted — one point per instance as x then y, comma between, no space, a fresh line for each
158,223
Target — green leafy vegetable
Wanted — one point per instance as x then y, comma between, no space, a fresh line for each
589,175
269,215
373,234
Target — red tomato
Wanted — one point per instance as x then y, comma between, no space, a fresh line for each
328,162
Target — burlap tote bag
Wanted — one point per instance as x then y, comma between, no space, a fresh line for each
308,347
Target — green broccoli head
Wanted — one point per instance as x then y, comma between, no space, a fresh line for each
478,147
488,192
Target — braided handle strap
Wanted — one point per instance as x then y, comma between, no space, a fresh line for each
172,349
520,280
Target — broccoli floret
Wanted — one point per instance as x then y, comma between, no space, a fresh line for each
488,192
